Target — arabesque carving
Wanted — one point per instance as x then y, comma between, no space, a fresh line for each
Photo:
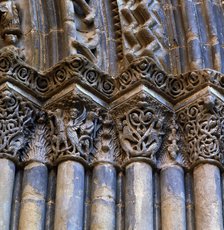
201,124
141,130
16,124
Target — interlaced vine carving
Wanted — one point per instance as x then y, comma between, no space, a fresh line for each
202,129
16,124
141,130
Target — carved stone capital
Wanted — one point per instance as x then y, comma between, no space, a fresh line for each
17,124
39,147
172,152
140,123
73,132
201,123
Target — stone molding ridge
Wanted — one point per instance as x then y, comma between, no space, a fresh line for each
78,69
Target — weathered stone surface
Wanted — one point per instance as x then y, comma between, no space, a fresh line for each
207,194
139,197
103,197
173,198
32,213
69,196
7,176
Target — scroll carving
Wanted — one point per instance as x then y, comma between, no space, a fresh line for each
9,22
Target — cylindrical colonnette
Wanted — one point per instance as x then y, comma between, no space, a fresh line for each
139,197
7,176
103,214
208,199
69,196
172,198
32,213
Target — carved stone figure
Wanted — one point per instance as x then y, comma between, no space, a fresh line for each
73,133
59,138
9,22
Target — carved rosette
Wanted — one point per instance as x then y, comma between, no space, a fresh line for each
17,124
141,127
202,127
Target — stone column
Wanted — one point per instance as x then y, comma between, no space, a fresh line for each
7,176
120,202
208,199
172,198
16,200
50,202
69,26
69,196
103,215
201,123
139,196
32,213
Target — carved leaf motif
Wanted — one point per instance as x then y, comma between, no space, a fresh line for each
140,131
106,144
39,147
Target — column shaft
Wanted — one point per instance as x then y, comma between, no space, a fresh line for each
50,206
7,176
173,198
139,197
103,208
32,213
16,200
69,196
208,200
